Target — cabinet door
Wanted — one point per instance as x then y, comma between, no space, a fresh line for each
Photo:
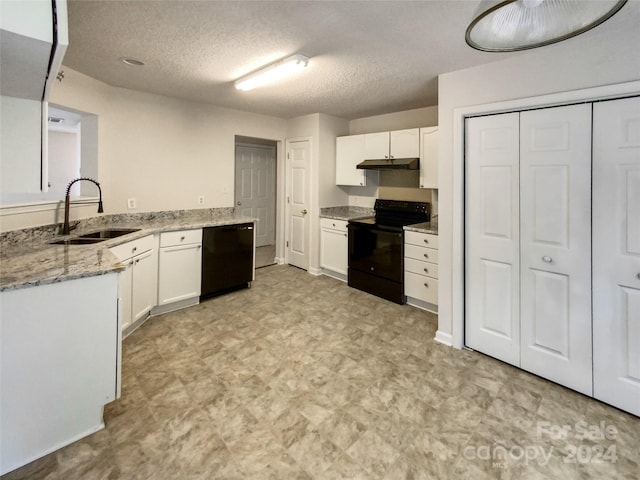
179,273
349,153
429,157
405,143
144,292
124,294
492,257
334,250
616,253
376,145
555,245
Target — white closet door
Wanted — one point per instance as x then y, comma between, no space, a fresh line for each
555,245
616,253
492,317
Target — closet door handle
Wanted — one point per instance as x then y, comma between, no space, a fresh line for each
547,259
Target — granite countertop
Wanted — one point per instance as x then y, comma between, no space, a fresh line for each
346,212
425,227
33,261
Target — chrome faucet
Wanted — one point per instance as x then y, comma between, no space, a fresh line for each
67,201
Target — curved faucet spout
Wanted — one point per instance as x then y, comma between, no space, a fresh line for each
66,229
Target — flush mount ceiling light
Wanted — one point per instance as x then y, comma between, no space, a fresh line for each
512,25
270,73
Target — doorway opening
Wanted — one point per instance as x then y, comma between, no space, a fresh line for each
255,191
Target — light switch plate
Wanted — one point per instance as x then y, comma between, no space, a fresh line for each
132,203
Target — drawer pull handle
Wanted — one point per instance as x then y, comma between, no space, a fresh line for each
547,259
426,285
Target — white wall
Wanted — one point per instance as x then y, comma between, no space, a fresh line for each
605,55
163,151
418,117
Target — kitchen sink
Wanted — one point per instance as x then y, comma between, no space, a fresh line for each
78,241
95,237
109,233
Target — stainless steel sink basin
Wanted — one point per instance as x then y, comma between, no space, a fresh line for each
78,241
95,237
109,233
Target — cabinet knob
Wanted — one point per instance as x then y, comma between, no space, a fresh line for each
182,239
304,212
360,183
386,156
138,261
346,235
134,249
638,276
547,259
426,285
426,270
426,255
426,240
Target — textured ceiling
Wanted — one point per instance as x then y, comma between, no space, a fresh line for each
367,57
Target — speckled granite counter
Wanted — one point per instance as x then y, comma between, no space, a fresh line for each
27,259
426,227
346,212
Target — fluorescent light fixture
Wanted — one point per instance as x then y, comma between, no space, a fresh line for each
513,25
270,73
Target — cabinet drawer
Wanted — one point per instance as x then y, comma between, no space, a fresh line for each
331,224
181,237
135,247
422,288
421,253
421,268
422,239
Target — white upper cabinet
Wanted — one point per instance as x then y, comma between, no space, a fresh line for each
349,153
404,143
429,138
376,145
27,44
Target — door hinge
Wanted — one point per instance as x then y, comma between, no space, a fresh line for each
287,199
287,243
289,155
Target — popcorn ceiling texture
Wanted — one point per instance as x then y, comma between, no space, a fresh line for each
367,58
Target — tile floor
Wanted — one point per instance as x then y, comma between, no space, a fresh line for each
302,377
265,256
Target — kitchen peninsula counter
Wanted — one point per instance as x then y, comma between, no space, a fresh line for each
28,259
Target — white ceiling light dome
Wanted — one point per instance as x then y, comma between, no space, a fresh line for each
512,25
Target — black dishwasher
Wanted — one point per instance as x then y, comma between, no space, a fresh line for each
227,258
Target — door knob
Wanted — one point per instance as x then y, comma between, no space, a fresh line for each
239,202
304,212
547,259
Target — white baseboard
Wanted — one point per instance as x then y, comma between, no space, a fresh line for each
279,260
332,274
315,271
444,338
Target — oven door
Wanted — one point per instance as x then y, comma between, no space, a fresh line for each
376,250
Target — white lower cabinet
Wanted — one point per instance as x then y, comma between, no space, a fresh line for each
421,267
180,266
334,245
138,283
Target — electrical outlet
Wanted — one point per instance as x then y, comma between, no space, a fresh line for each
201,200
355,200
132,203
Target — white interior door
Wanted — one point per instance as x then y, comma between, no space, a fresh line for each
255,189
555,243
492,319
298,161
616,253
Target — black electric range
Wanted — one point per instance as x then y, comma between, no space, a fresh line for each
376,247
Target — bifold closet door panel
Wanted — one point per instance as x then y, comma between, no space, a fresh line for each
492,313
555,244
616,253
